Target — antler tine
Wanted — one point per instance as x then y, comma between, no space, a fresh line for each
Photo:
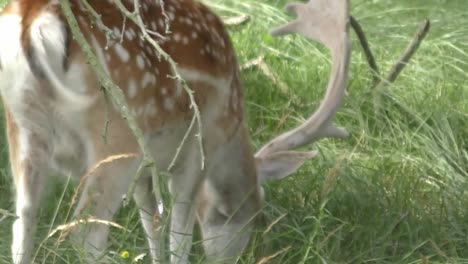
325,21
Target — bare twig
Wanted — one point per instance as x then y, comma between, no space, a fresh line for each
380,85
236,21
367,51
166,17
380,89
111,37
413,46
181,145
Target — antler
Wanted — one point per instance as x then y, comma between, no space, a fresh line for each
325,21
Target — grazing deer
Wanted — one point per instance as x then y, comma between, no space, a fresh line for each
55,116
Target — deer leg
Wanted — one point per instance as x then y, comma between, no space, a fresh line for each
29,173
100,199
29,183
149,214
183,185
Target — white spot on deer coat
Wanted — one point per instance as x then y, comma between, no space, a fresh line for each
132,89
148,79
198,76
122,52
140,62
169,104
129,35
116,31
161,23
150,108
176,37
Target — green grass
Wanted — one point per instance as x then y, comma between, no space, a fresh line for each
394,192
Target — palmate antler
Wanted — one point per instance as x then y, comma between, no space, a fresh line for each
325,21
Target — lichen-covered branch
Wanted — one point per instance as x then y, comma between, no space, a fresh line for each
114,93
96,18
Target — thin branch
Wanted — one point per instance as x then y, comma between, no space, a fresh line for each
184,139
124,25
166,17
367,51
413,46
111,37
381,89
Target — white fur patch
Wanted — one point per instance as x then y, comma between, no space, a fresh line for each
140,62
122,52
222,84
148,79
48,42
132,89
19,87
15,70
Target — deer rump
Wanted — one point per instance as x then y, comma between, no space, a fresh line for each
55,117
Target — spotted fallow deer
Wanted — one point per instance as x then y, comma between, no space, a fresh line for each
55,117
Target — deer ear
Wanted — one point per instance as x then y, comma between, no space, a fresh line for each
280,164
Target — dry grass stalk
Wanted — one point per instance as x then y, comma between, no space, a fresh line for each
268,258
237,20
